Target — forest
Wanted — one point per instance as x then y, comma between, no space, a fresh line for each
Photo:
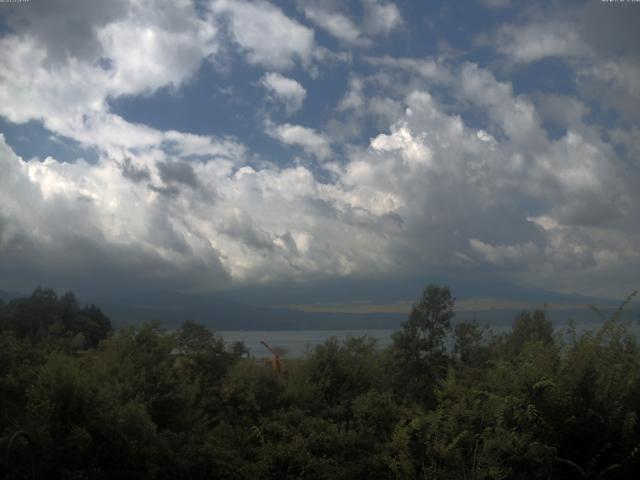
145,402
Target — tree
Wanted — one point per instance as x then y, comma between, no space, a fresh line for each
58,320
420,355
529,328
469,345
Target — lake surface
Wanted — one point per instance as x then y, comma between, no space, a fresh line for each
298,342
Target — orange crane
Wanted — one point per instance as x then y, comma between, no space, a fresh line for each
275,360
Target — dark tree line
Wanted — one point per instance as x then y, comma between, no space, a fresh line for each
149,403
44,316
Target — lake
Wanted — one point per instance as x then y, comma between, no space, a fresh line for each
298,342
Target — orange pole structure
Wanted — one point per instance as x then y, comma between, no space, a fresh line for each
275,361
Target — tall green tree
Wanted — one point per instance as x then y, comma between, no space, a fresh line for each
419,353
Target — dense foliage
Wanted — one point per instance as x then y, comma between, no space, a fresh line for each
149,403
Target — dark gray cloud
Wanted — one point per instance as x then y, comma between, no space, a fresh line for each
589,210
597,40
166,232
166,190
242,228
79,257
67,27
290,243
133,173
611,28
613,34
177,172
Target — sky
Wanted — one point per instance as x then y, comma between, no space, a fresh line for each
235,145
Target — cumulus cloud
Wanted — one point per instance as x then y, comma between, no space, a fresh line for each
130,53
539,40
414,149
575,178
308,139
265,34
427,188
379,18
286,90
430,190
596,40
64,221
517,255
613,83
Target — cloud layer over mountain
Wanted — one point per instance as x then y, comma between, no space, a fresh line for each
405,164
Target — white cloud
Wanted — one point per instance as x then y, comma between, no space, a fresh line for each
528,43
194,211
261,224
380,17
384,110
505,255
414,149
575,179
495,3
285,89
614,83
616,74
514,116
560,110
132,54
308,139
595,41
336,24
353,98
428,68
145,57
426,192
62,220
265,34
